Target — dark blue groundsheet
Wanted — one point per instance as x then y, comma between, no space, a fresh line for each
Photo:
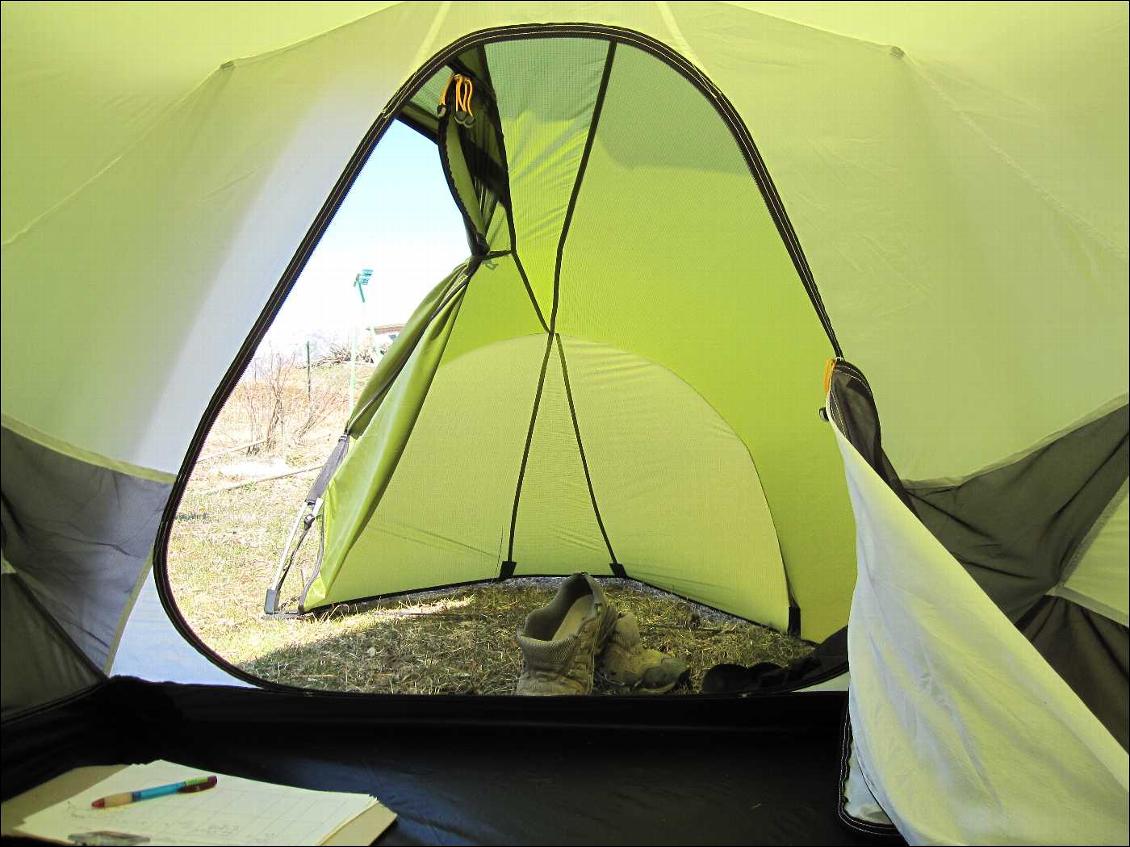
671,770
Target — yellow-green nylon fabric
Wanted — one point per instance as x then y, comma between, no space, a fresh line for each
556,531
440,517
445,515
672,255
392,363
546,91
357,488
695,389
678,490
978,168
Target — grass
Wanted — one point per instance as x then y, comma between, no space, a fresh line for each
225,544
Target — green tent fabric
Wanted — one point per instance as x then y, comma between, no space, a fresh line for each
656,425
676,214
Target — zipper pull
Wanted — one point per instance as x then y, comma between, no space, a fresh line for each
464,90
441,108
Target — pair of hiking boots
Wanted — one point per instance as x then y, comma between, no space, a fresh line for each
579,635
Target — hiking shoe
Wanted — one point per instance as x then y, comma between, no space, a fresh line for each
627,664
560,641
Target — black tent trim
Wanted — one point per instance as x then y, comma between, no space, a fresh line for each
616,566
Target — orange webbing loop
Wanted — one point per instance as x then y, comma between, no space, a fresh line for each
829,366
464,91
442,107
464,88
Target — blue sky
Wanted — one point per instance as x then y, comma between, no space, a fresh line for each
398,219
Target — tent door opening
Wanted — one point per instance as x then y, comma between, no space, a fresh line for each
610,383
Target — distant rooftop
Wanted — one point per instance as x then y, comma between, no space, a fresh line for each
388,329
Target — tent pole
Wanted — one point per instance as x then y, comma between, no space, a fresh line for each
352,364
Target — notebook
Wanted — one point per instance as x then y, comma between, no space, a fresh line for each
236,811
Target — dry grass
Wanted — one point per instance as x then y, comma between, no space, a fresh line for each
225,544
461,641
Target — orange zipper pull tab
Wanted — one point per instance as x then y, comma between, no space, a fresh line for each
464,91
441,108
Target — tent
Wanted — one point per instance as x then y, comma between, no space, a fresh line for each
535,418
680,217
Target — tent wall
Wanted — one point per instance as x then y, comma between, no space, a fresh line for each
80,536
889,160
960,659
79,60
663,389
1019,221
41,663
162,262
961,199
1033,194
966,217
674,256
939,674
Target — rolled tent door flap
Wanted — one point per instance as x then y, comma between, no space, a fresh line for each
953,690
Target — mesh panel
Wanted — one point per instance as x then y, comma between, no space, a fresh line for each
546,91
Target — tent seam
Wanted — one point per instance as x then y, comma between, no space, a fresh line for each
594,120
81,454
617,566
807,26
526,454
677,35
1091,417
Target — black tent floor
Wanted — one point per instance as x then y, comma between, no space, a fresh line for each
759,770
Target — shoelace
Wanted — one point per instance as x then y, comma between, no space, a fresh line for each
464,91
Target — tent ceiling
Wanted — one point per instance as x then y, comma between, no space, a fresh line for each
109,69
106,71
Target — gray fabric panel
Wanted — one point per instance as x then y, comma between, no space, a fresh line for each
78,535
851,405
40,664
1015,528
1091,653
